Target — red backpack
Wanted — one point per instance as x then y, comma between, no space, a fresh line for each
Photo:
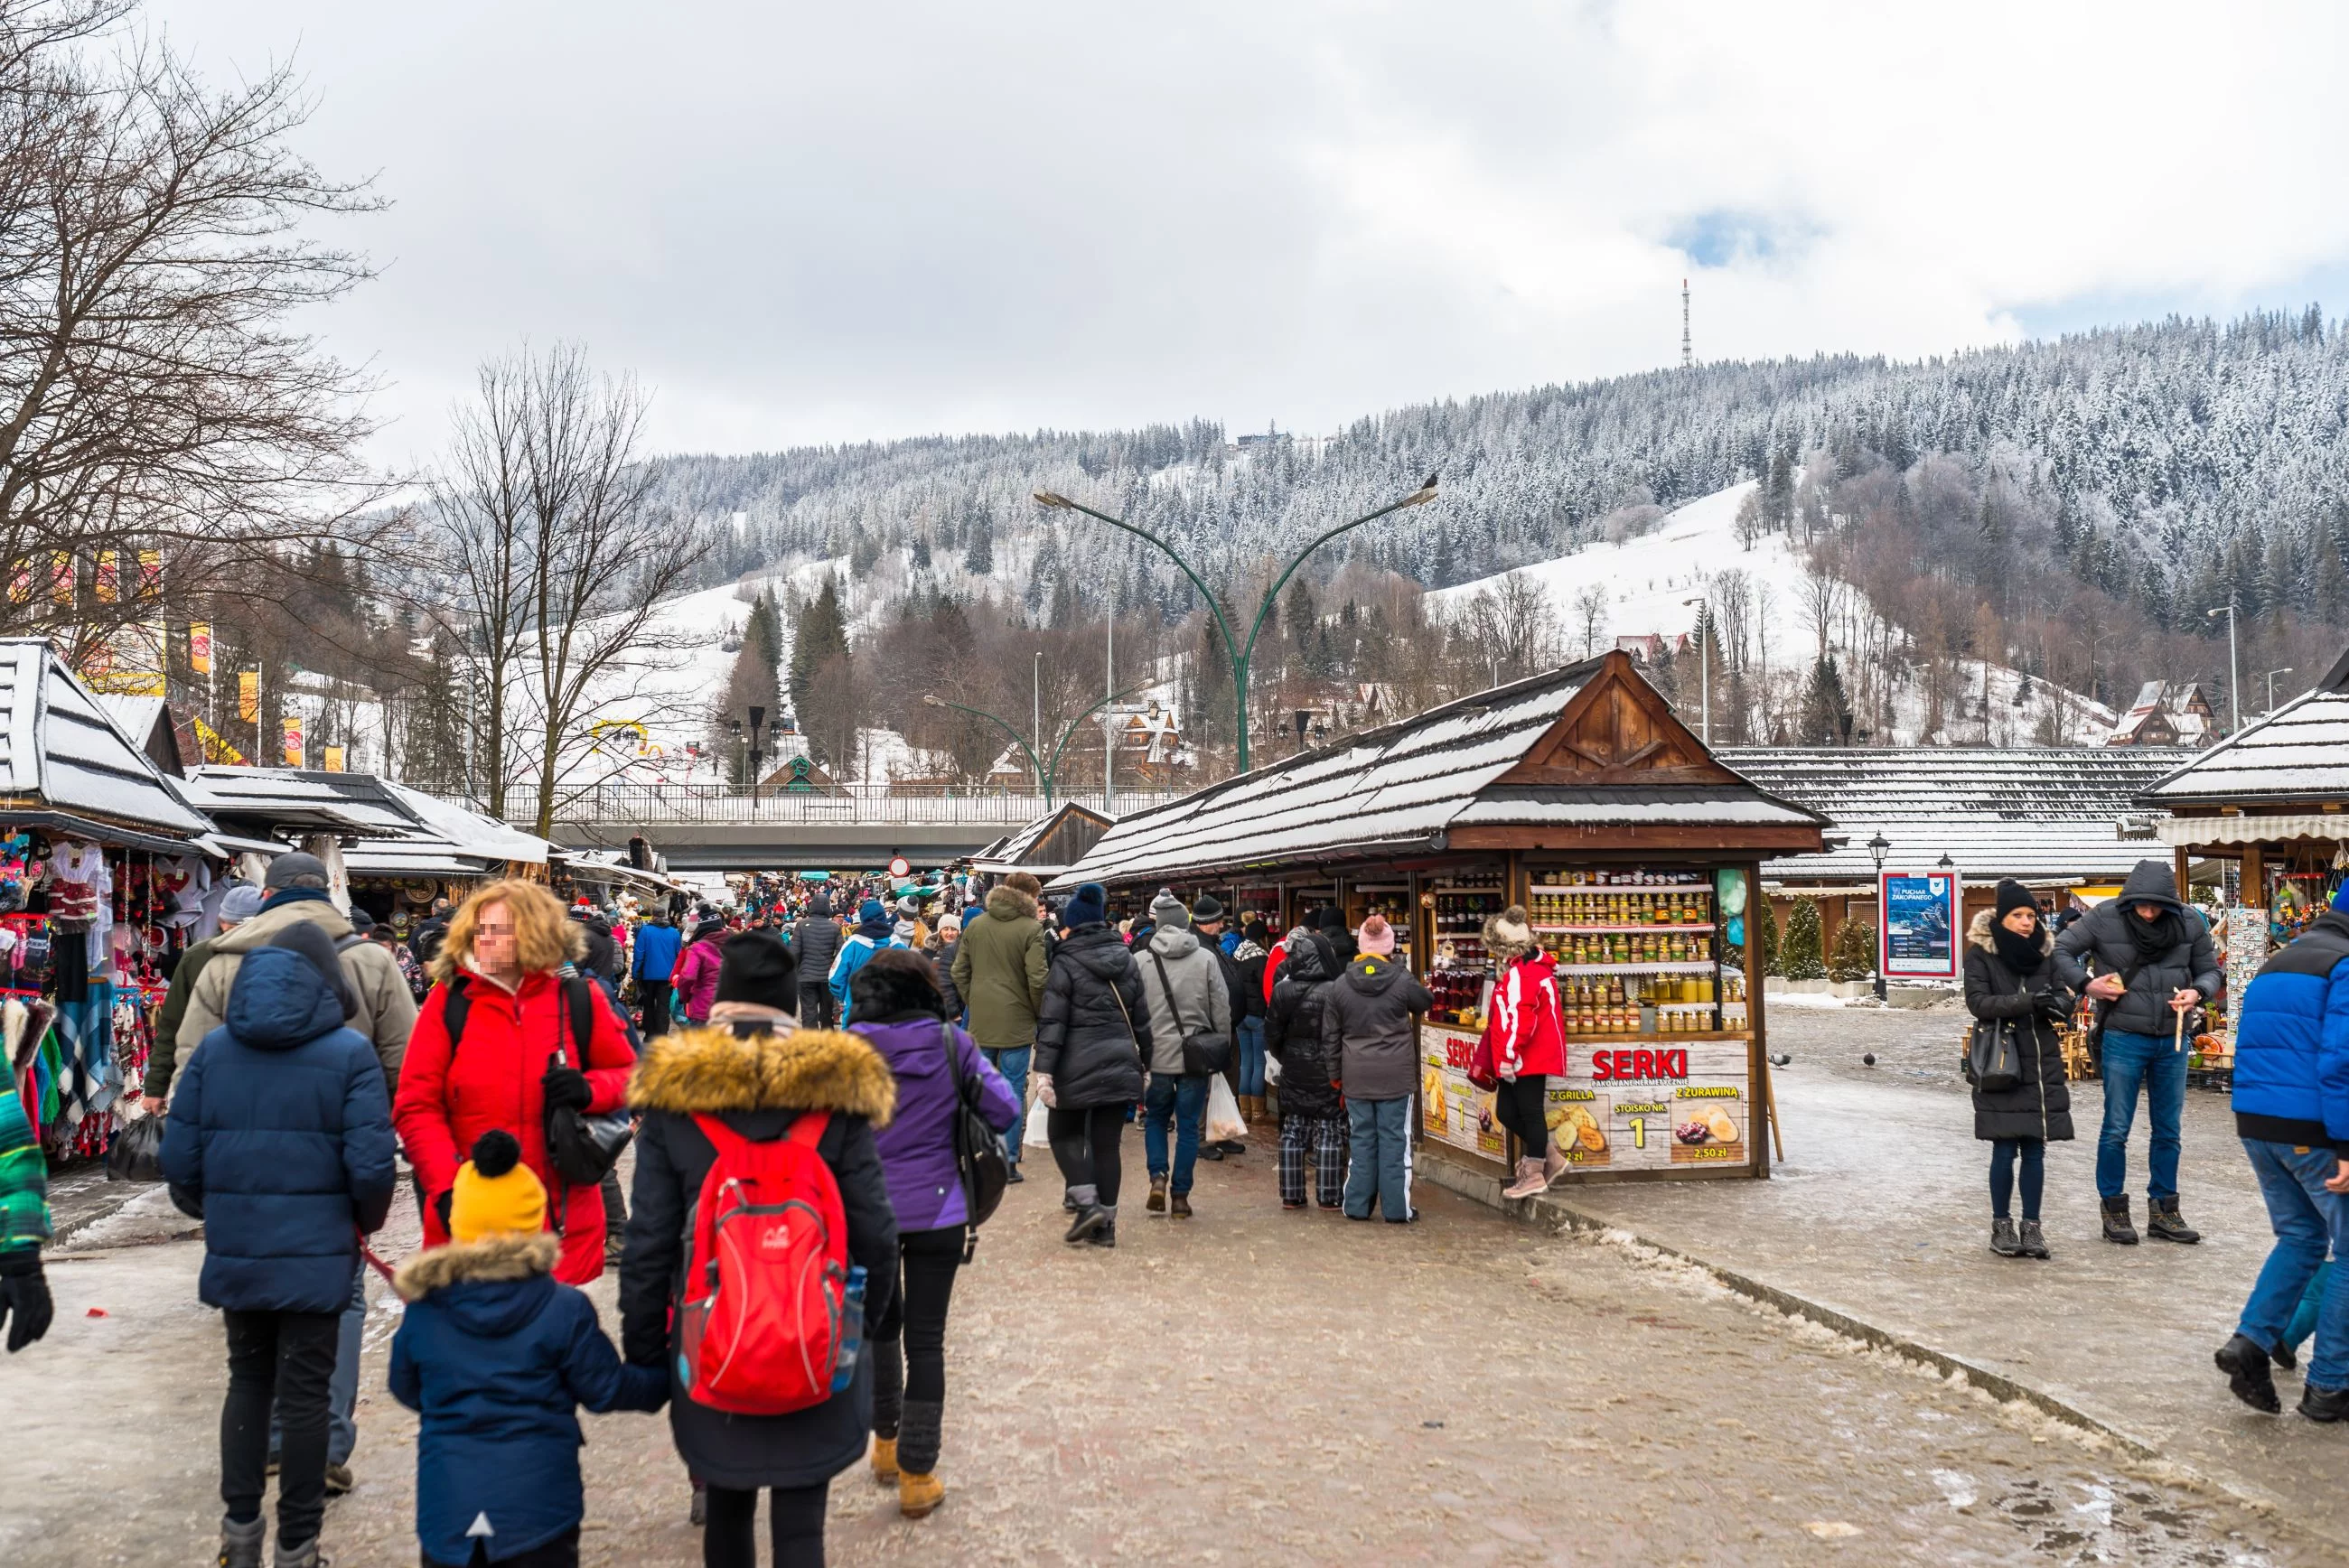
766,1274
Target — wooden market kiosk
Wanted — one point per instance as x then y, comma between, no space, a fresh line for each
1578,794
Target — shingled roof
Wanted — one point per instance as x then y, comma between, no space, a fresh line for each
2297,755
1587,746
65,764
2034,813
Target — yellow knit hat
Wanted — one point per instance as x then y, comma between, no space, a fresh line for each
495,1192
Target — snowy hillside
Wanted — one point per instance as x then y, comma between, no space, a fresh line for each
1656,584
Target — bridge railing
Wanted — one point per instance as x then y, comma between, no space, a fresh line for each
676,805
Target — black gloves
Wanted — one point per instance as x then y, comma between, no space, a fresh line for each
25,1304
440,1206
565,1088
2053,1005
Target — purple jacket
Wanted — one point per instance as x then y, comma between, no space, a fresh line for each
695,977
918,1146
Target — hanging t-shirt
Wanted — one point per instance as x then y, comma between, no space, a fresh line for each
74,893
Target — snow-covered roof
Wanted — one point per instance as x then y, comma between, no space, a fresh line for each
397,830
469,830
1403,788
2035,813
1067,827
2298,753
60,751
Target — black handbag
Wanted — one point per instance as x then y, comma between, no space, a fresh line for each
584,1146
978,1149
1206,1052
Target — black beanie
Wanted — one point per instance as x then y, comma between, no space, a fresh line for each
754,967
2012,895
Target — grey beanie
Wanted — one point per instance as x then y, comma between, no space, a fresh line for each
295,870
1166,910
243,902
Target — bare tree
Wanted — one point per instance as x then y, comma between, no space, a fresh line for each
560,563
1590,616
152,396
1823,597
1511,624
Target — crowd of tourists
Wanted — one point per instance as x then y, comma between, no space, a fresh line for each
826,1092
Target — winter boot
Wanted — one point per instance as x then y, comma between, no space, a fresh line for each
1156,1203
2246,1367
885,1459
2163,1225
1230,1146
241,1544
1107,1235
2003,1239
1554,1164
2283,1356
1179,1206
918,1496
1090,1220
1530,1180
2034,1241
919,1490
2117,1221
2326,1405
303,1556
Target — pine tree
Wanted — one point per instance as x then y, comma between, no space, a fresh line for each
1853,956
1760,907
978,548
1798,953
922,551
1826,717
821,635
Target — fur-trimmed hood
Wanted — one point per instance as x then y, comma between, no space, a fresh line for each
1005,903
706,1071
1978,934
498,1257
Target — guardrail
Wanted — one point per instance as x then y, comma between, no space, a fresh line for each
714,804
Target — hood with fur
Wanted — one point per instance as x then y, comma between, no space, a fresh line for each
1978,934
706,1071
498,1257
1005,902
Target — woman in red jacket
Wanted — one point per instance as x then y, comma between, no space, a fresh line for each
1524,1040
507,949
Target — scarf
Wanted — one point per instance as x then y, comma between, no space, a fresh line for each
2023,955
2153,939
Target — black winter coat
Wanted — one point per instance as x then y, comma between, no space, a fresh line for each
1086,1043
2040,1106
2102,933
1292,1032
758,1085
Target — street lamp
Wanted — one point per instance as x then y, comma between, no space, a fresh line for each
1045,773
758,717
2234,670
2271,675
1705,664
1879,846
1239,654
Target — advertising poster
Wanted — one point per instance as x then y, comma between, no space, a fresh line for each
2246,949
248,696
293,740
1451,1108
1919,915
200,648
1624,1106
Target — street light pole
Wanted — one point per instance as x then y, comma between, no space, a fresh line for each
1879,846
1046,773
2271,675
2234,667
1240,653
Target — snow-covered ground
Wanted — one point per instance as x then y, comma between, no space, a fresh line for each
1656,583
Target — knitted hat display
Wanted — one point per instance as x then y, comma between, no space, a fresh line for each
496,1193
1376,937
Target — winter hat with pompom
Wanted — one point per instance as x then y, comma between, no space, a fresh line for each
496,1193
1376,937
1089,906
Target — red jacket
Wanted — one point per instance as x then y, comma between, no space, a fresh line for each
1525,1024
494,1082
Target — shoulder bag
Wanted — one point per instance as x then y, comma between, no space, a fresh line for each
582,1148
1994,1055
978,1149
1204,1052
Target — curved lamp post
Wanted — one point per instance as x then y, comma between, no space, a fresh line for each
1240,653
1046,773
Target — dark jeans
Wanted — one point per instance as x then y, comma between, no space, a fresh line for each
1520,1107
926,1262
562,1552
2308,1221
1181,1098
654,996
795,1525
285,1358
2156,1062
819,1008
2002,1175
1084,1146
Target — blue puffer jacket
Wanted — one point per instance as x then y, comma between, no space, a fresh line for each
497,1357
279,1141
657,946
2292,1040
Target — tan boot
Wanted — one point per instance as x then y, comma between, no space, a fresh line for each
919,1495
1530,1180
1554,1164
885,1459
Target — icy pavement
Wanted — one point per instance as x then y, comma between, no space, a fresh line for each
1247,1386
1882,1212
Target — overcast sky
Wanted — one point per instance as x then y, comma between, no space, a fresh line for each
802,222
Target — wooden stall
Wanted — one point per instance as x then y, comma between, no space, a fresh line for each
1578,794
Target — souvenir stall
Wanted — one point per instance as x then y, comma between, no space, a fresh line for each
103,882
1580,796
2271,805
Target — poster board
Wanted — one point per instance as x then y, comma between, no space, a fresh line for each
2246,949
1626,1106
1919,917
1452,1110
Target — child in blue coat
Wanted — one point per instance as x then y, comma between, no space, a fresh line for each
497,1357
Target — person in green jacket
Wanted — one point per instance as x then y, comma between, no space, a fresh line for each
243,902
999,969
25,1305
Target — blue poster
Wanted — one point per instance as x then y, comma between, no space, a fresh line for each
1921,924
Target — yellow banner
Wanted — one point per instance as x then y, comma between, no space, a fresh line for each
61,577
293,740
216,749
150,574
106,577
200,648
333,754
248,696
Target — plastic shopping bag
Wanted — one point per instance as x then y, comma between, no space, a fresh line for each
1035,1135
137,1152
1224,1121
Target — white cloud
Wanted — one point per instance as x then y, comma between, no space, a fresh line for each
810,223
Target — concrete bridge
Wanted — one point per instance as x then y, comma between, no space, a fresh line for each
855,827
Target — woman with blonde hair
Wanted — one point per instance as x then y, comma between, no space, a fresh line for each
510,1031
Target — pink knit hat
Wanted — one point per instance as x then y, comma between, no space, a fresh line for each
1376,936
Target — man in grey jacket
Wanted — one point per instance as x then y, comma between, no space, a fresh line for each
1366,1028
1180,980
2154,962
